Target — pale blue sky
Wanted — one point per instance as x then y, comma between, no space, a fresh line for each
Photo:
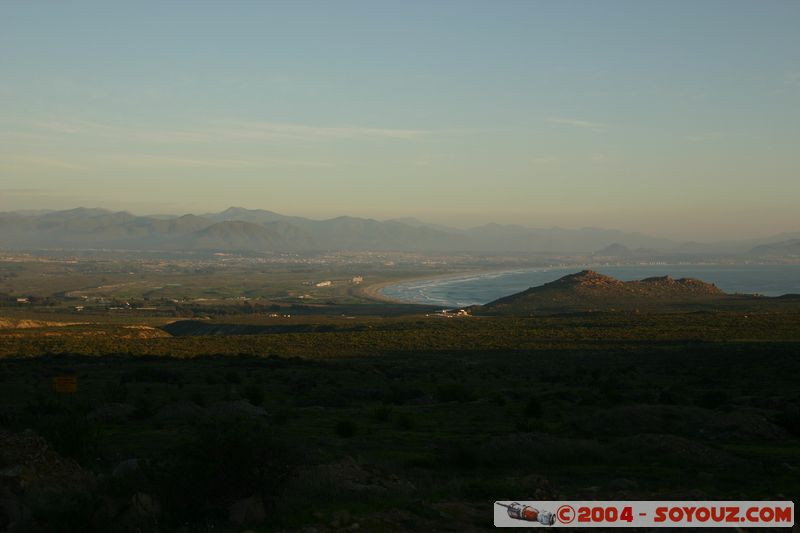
679,118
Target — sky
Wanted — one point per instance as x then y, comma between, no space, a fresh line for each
676,118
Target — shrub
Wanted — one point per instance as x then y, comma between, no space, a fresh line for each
222,463
143,408
116,392
459,455
667,397
404,422
789,419
66,510
198,398
382,413
713,399
454,392
346,429
254,394
533,407
151,374
400,394
281,417
71,435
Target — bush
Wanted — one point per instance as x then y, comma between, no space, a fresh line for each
151,374
144,408
213,378
346,429
116,392
398,395
222,463
534,407
43,405
67,510
454,392
789,419
71,435
198,398
382,413
404,422
713,399
667,397
458,455
499,398
254,394
281,417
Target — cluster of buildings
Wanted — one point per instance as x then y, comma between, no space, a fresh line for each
445,313
355,280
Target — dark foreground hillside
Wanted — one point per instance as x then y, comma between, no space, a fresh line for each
418,439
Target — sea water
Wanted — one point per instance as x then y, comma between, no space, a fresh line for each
480,288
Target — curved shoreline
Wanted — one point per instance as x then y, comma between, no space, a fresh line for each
374,290
441,278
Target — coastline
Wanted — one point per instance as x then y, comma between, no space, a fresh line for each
373,290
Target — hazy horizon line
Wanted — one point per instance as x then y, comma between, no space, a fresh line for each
454,226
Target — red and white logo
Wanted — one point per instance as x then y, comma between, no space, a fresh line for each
644,514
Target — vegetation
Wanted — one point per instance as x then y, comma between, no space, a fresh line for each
391,417
409,423
588,291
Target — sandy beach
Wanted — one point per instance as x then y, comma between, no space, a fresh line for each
373,290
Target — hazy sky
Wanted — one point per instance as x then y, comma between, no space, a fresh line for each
678,118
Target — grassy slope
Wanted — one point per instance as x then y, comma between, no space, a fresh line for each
468,411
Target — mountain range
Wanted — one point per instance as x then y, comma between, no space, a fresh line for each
259,230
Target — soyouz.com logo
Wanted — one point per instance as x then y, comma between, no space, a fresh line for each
644,514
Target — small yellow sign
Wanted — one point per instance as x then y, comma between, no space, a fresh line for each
65,384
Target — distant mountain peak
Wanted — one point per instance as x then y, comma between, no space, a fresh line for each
614,249
411,221
238,211
788,248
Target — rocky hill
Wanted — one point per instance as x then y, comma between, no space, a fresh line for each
591,291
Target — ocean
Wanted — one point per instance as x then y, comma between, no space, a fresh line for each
480,288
